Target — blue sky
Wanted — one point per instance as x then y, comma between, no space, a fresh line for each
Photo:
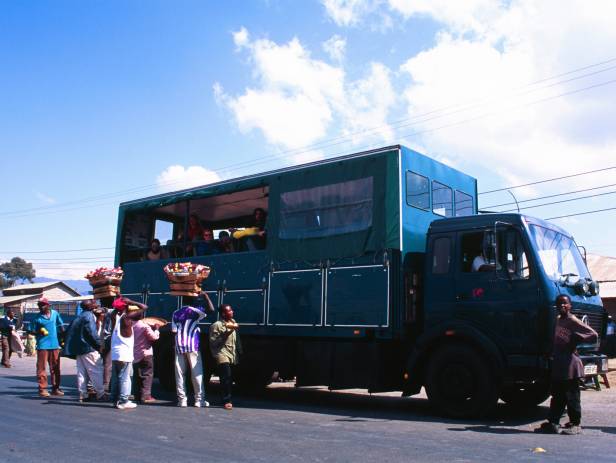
102,97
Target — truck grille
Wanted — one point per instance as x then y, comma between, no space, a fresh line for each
592,319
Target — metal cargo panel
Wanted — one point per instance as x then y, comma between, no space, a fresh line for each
248,305
295,298
358,296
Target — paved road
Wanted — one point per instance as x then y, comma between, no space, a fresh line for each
282,424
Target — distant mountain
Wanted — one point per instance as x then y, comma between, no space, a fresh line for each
81,286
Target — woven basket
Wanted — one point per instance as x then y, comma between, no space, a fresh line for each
183,293
104,281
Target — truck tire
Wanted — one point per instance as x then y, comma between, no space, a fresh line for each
460,383
166,367
525,396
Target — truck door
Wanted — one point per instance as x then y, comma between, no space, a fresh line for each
439,281
496,291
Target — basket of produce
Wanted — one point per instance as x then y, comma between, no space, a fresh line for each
185,278
105,281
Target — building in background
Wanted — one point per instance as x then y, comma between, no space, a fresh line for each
603,270
22,299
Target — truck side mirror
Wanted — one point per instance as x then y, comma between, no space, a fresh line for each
583,252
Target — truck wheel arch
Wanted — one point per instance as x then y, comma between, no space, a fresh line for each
429,343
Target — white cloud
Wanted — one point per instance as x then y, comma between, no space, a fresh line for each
297,100
506,128
240,38
179,177
335,47
348,12
45,198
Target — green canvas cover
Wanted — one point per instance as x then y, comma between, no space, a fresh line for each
379,231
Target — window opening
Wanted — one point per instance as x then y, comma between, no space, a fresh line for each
442,201
417,191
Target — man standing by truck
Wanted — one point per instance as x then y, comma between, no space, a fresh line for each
225,347
567,369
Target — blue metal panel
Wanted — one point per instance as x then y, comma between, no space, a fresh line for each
357,296
295,298
162,305
248,305
415,222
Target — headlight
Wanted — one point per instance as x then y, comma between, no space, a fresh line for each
594,288
581,287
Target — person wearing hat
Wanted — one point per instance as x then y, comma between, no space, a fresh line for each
125,313
46,327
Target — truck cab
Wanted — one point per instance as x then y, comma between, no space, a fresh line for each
489,309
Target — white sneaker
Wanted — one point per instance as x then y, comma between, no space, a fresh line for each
126,406
182,403
203,403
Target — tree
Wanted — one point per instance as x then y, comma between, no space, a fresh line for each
16,269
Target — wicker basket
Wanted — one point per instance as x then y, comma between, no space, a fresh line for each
105,291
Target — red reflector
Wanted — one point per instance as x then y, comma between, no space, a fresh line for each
356,332
450,333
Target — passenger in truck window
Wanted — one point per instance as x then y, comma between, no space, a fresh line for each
155,252
225,243
195,230
254,237
208,245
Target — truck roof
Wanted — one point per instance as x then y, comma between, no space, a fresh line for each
483,220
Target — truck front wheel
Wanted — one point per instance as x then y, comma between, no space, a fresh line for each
460,383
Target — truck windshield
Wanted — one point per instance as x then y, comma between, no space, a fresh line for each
559,254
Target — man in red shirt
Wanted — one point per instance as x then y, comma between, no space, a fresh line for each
567,369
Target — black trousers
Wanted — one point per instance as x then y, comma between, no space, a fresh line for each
566,394
226,381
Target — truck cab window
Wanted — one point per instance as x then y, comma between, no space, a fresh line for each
515,255
477,252
442,199
441,255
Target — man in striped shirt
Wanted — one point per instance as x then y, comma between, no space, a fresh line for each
185,325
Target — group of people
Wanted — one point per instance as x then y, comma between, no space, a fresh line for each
112,342
109,343
201,240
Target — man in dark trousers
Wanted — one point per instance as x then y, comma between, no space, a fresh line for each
226,348
7,326
567,369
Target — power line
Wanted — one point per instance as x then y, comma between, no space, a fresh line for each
55,250
582,213
560,202
550,196
550,179
324,144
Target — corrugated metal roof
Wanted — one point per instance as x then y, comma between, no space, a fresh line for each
9,299
603,268
31,286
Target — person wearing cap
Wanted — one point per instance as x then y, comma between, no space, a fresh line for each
46,327
83,342
125,313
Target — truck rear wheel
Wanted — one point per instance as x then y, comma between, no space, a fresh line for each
460,383
525,396
253,379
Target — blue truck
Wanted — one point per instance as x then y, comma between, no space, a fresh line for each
375,271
